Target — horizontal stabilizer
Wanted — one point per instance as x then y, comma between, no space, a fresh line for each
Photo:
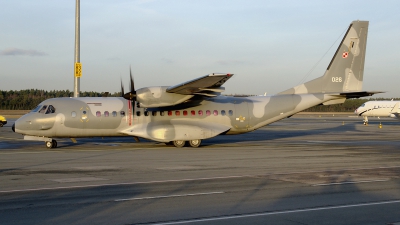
357,94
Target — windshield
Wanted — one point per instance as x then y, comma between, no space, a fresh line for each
37,108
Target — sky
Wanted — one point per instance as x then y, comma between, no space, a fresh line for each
270,46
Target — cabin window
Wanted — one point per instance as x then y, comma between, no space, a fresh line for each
162,113
137,113
169,113
106,114
230,113
177,113
184,112
37,108
73,114
114,113
223,113
154,113
146,113
193,113
98,113
215,112
43,110
200,112
208,112
122,113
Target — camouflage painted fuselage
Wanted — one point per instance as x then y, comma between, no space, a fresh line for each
110,116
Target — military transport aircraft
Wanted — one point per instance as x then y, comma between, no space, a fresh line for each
187,113
379,108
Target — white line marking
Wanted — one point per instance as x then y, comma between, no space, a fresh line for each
116,184
168,196
330,142
194,179
350,182
279,212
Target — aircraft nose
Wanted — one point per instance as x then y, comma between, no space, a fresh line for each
13,127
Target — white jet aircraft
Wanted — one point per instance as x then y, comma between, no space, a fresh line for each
378,108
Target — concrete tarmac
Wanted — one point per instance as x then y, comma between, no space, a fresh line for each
301,170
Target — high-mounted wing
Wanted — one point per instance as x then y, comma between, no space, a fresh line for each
163,96
208,85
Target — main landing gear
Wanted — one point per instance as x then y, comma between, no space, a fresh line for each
51,144
192,143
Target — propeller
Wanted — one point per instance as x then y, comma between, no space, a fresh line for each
132,94
122,89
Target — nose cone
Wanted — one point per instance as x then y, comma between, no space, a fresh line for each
13,127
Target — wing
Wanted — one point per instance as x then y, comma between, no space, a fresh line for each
208,85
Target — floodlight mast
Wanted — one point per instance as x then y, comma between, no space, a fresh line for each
77,64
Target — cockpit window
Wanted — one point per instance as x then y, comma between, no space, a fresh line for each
363,105
43,110
36,108
50,109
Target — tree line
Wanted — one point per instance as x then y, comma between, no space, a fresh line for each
30,98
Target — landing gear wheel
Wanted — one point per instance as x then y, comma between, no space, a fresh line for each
1,124
195,143
54,143
51,144
179,144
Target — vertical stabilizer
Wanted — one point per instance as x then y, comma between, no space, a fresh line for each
346,69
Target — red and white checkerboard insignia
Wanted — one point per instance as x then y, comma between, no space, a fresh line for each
345,54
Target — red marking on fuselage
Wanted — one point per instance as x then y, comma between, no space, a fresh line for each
129,113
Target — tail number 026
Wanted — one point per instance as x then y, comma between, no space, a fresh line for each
336,79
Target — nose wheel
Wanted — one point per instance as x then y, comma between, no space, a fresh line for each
51,144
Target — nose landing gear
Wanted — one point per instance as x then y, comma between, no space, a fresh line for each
51,144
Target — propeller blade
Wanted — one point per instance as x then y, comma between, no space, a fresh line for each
132,94
122,89
132,84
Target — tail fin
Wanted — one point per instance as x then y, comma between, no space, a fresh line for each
346,69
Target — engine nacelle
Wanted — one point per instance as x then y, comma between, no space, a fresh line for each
151,97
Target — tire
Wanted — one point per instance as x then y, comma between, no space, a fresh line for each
54,143
49,144
179,143
1,124
195,143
